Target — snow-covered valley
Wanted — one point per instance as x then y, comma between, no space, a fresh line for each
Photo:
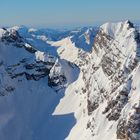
80,84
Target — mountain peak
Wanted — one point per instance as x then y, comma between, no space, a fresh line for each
114,29
130,24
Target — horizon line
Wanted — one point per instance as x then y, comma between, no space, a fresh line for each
68,25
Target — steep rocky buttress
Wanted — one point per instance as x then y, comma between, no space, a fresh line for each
110,86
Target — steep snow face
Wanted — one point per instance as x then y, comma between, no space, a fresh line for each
31,85
114,30
66,49
108,77
105,101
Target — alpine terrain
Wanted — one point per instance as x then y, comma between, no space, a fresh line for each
80,84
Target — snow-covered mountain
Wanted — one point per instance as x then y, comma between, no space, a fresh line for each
80,84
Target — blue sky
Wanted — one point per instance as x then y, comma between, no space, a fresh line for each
66,12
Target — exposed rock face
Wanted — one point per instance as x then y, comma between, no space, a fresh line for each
109,75
130,128
35,66
32,71
56,77
112,59
11,36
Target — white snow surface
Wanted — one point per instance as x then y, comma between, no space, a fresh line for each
35,111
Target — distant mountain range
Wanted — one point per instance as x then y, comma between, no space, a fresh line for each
79,84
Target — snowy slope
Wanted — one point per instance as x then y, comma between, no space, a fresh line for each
80,84
108,77
105,103
31,86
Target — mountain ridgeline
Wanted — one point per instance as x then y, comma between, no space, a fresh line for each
73,84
